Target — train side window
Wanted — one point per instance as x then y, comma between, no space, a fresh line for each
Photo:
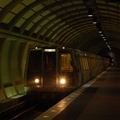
66,62
93,61
84,61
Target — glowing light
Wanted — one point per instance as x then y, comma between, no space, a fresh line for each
50,50
46,116
100,31
62,81
36,47
37,80
63,47
90,12
53,110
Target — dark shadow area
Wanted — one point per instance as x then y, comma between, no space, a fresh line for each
81,101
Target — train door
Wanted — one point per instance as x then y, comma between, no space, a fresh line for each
49,67
34,68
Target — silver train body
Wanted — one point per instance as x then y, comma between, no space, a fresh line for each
55,69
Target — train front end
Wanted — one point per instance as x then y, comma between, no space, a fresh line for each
50,70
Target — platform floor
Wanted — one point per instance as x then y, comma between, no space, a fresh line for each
98,99
101,101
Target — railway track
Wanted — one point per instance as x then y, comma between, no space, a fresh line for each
20,111
26,110
29,113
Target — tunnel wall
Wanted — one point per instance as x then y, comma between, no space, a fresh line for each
13,59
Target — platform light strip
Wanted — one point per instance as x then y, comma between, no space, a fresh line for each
60,106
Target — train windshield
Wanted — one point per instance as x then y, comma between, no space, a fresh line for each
34,66
49,67
65,62
49,61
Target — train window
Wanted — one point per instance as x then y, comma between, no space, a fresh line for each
93,62
100,62
34,65
84,62
65,62
34,60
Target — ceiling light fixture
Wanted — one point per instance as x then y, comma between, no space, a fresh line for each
100,31
90,12
94,20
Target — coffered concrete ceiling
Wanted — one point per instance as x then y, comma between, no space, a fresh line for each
63,23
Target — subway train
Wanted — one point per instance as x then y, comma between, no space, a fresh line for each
60,69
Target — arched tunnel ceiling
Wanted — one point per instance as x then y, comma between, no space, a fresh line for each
63,22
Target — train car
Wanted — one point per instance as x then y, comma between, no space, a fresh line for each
53,70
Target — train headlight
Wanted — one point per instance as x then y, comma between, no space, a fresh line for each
62,81
37,81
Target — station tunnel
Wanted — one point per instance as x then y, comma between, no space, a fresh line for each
92,26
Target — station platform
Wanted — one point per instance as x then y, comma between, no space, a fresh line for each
98,99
